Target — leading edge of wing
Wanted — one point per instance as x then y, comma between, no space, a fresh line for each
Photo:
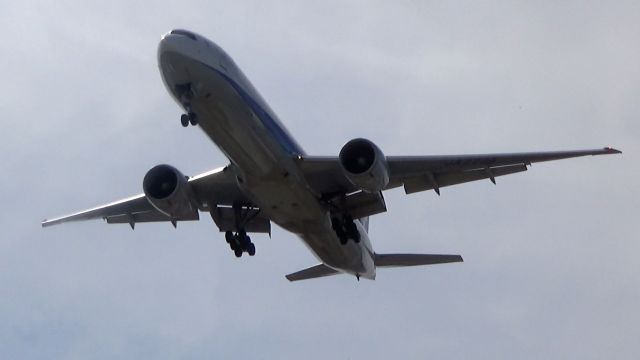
216,186
325,174
408,164
131,204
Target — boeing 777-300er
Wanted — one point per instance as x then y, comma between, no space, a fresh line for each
325,200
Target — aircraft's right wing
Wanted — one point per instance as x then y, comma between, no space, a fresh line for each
126,210
213,188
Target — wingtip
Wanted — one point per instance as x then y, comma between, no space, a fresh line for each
611,150
46,223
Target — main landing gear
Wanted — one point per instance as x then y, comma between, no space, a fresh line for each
238,239
346,229
240,242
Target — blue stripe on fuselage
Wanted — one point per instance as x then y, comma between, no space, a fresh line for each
281,136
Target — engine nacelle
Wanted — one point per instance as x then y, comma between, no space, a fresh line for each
364,165
168,190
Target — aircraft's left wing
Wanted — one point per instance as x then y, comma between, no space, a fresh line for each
216,187
420,173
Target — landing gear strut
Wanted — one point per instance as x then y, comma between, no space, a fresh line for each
346,229
186,94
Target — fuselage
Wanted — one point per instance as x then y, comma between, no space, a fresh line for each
200,75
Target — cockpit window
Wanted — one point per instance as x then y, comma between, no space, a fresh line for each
184,32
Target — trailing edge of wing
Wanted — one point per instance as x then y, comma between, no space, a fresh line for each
402,260
313,272
437,181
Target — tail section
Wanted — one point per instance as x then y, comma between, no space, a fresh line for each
402,260
313,272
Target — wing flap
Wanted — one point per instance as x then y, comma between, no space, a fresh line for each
313,272
436,181
217,187
403,260
147,216
256,222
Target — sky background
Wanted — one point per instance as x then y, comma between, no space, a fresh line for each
551,256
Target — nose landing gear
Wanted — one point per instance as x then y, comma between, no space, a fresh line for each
186,93
189,118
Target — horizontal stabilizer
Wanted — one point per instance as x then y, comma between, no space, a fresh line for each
400,260
317,271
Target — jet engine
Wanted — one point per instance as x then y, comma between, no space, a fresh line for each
364,165
168,190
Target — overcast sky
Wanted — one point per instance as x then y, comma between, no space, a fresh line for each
551,256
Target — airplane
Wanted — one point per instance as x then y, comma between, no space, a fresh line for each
324,200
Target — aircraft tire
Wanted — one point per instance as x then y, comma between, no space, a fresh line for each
193,119
184,120
352,231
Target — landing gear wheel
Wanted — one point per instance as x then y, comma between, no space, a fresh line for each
352,230
184,120
336,225
346,229
193,119
237,238
251,249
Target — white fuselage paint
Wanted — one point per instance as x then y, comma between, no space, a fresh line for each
261,151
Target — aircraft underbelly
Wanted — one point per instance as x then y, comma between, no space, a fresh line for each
266,171
293,207
290,205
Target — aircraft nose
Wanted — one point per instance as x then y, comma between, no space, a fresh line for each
180,41
174,41
181,32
